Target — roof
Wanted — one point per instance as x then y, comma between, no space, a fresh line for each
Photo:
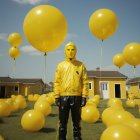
19,80
105,74
134,80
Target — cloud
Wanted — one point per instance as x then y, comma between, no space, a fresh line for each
3,36
32,2
30,50
56,52
111,67
69,37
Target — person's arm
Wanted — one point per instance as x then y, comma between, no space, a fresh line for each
85,83
84,87
57,83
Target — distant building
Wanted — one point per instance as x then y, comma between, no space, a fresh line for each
134,86
9,86
107,84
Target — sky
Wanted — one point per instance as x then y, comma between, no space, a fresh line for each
31,63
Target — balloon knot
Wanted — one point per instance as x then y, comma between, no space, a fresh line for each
45,54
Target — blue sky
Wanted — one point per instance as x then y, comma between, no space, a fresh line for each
31,63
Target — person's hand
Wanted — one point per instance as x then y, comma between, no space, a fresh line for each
57,101
83,101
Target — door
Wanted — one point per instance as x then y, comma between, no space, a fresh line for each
2,91
117,91
104,90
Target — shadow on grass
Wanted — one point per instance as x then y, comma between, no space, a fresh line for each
53,115
13,115
1,121
99,121
47,130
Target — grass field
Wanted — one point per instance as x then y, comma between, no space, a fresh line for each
10,127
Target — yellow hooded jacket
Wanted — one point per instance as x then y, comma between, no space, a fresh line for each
71,79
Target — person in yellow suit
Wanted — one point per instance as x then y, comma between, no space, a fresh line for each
70,91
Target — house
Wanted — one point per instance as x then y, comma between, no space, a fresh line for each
9,86
107,84
134,86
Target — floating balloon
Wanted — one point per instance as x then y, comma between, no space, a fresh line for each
14,52
15,39
119,60
131,53
119,132
103,23
45,27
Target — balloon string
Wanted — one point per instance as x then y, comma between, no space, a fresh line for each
101,55
134,72
45,71
14,68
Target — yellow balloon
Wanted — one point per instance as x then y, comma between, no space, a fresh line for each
32,120
130,103
112,102
15,39
119,132
14,52
103,23
5,109
119,60
1,138
131,53
45,27
90,114
119,117
134,123
43,107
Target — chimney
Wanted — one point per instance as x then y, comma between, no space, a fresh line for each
98,68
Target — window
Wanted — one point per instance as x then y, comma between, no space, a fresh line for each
104,86
16,88
90,86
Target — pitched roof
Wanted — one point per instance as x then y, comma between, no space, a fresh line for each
105,74
134,80
19,80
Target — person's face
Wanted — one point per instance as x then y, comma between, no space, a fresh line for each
70,52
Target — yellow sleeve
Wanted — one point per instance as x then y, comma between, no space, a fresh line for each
85,83
57,83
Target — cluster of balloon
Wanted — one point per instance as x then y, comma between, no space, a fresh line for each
15,41
119,60
45,28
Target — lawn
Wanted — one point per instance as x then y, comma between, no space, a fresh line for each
10,127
